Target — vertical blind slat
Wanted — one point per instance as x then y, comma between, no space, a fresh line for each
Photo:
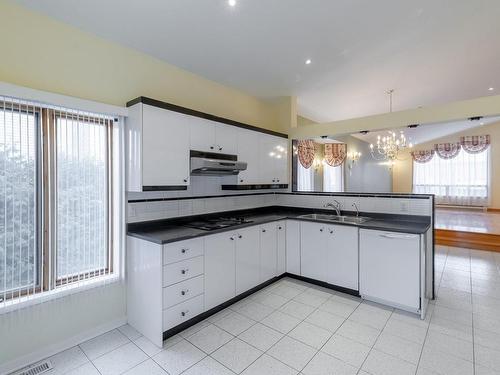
73,172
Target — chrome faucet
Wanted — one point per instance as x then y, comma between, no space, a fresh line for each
356,207
335,206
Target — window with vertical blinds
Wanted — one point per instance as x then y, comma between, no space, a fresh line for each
56,200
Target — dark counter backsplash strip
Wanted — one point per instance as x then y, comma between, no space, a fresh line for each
361,195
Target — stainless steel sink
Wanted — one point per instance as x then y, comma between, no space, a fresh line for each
336,218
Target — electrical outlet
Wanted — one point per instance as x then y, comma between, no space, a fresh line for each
404,206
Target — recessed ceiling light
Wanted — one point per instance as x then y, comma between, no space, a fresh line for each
481,123
231,3
308,61
491,89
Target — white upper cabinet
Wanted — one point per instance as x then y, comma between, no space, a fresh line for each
273,155
248,151
202,135
226,139
211,136
157,147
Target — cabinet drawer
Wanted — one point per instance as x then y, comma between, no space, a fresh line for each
182,312
180,292
177,251
180,271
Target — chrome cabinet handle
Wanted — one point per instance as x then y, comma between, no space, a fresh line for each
184,271
397,236
240,236
263,231
184,292
184,313
331,231
184,251
321,230
185,180
220,148
231,238
211,147
280,227
241,180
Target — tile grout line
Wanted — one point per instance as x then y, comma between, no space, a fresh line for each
373,345
435,297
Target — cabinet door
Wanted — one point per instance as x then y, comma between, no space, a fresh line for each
268,251
342,259
267,159
247,259
389,268
226,139
219,269
281,162
248,151
313,251
202,135
165,147
293,247
281,248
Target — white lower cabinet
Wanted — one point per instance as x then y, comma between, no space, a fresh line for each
329,253
280,248
247,259
313,251
180,292
220,275
268,251
342,256
292,260
182,312
389,268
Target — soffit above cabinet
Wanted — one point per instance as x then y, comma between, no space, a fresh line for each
208,116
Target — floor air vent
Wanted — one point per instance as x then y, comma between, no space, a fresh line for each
39,368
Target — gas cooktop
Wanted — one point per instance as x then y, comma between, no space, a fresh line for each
217,223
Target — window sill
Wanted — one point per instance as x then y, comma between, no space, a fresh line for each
77,287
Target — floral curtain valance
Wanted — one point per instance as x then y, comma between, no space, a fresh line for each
335,153
423,156
447,150
475,144
305,152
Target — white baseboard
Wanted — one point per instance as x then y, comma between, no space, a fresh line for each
50,350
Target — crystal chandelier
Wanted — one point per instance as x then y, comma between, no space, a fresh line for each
389,147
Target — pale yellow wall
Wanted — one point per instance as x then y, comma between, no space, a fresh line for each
403,173
41,53
484,106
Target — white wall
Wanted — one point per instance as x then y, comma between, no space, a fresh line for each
38,331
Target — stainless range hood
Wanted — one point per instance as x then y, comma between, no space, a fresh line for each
210,164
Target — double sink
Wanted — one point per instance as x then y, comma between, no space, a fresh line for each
336,218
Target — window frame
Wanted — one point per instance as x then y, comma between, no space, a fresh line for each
46,200
37,286
108,268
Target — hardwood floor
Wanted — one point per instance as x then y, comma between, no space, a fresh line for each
472,229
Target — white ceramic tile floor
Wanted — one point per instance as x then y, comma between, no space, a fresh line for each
291,327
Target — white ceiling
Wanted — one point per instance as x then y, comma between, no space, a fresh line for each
429,132
429,51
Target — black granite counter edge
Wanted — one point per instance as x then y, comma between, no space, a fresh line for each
388,222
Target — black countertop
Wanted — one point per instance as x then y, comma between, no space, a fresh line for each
172,230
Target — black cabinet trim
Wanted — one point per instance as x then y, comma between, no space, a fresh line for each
207,116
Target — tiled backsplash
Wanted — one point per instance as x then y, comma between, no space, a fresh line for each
163,209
